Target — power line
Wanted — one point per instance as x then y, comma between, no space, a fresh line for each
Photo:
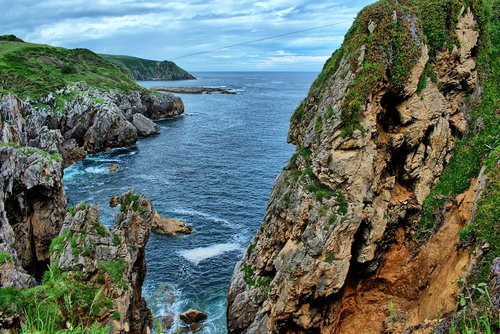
260,40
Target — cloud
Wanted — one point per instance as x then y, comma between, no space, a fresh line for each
158,29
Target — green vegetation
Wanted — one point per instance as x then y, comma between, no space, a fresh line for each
471,151
5,257
248,274
145,69
115,269
117,240
29,151
33,70
250,249
392,49
64,303
101,230
329,257
130,201
478,314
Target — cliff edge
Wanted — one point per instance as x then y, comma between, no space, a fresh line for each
373,219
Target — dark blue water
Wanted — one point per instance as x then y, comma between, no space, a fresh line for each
213,168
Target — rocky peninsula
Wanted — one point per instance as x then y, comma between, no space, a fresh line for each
194,90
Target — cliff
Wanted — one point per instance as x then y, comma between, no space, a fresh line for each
374,219
145,69
60,269
74,102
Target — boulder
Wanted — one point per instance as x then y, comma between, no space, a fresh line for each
145,127
192,316
169,226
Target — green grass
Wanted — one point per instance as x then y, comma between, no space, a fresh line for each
130,201
471,151
29,151
392,49
115,269
33,70
145,69
62,298
5,257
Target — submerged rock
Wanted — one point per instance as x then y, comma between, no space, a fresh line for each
193,316
169,226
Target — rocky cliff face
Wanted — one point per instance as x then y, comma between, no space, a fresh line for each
145,69
91,120
338,242
32,205
113,261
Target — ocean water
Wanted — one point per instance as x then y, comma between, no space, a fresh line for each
213,168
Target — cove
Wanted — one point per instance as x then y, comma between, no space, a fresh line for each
213,168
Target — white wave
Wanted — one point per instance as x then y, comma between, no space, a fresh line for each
199,254
207,216
97,159
72,172
97,170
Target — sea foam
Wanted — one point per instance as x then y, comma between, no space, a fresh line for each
199,254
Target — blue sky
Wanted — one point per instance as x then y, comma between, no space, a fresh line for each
156,29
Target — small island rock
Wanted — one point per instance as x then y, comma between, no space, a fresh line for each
169,226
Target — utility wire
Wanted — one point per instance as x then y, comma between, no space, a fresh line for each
260,40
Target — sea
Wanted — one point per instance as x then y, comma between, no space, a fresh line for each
212,167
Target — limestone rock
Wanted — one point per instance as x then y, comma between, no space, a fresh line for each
32,204
169,226
15,276
192,316
91,121
85,244
12,123
336,207
145,127
109,129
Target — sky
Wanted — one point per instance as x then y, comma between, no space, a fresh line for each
166,30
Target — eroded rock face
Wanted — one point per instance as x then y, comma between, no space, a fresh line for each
88,247
32,204
343,200
91,121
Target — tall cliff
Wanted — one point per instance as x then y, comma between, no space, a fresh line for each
367,227
146,69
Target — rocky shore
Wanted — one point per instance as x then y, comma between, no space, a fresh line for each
37,230
194,90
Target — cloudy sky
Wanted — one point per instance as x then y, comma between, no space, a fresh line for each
156,29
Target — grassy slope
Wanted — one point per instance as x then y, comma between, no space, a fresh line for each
150,69
32,70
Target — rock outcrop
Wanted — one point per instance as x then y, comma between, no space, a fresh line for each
32,204
337,242
169,226
91,121
110,260
145,127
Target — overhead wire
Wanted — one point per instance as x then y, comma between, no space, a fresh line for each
260,40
